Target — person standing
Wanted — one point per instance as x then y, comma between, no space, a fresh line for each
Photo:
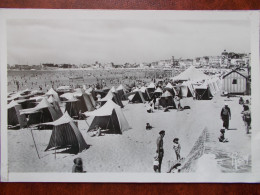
247,118
159,149
225,116
177,148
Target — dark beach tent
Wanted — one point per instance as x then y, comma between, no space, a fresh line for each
111,96
135,97
66,134
15,119
151,88
144,92
167,100
202,92
72,107
109,117
86,101
77,101
43,112
158,92
121,92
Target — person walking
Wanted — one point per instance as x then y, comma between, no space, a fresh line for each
160,150
225,116
247,118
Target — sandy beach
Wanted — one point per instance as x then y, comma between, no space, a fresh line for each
133,151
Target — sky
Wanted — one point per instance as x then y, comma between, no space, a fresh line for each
35,41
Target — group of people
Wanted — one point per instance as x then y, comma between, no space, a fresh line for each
225,115
160,151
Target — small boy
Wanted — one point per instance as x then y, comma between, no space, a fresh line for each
78,166
156,163
177,148
222,136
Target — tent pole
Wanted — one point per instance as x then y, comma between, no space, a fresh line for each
108,123
55,140
35,144
87,122
113,124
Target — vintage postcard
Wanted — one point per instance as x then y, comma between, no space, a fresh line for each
129,96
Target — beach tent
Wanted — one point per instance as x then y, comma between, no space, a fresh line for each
135,97
186,89
202,92
112,96
53,93
41,113
158,92
109,117
78,101
55,104
15,119
63,89
144,92
151,88
66,134
171,89
72,108
167,100
86,100
121,92
190,74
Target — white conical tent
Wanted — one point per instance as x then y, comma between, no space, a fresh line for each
151,86
62,120
12,104
191,74
68,96
113,89
166,94
110,115
158,90
169,86
53,93
120,87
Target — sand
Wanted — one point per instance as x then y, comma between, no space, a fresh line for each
133,151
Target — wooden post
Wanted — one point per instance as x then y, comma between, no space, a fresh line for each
35,144
55,140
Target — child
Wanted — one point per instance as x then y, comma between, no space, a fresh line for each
78,166
96,131
222,136
156,163
241,101
177,148
148,126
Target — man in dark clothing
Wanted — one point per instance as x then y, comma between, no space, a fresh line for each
225,116
160,150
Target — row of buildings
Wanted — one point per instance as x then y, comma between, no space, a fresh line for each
224,60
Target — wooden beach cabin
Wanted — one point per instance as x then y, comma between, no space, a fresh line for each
235,82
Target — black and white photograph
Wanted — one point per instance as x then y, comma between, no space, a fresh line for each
115,93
